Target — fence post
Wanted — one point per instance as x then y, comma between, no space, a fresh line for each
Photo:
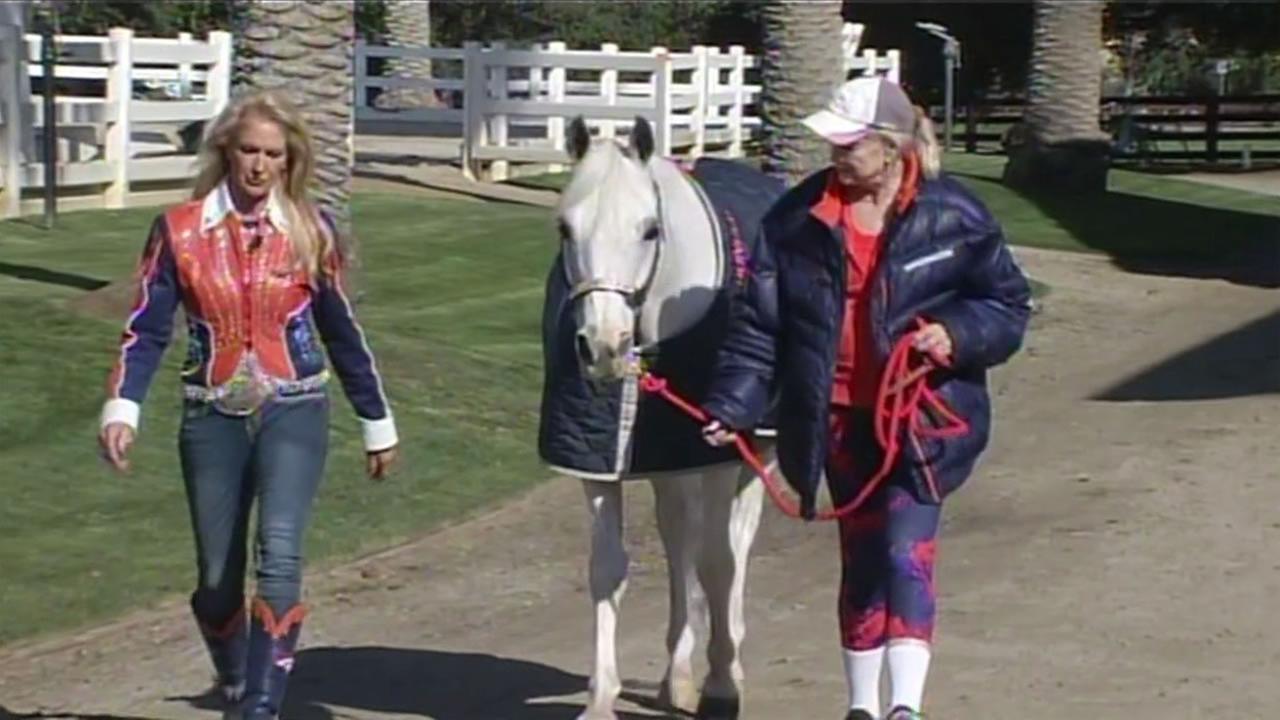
971,127
184,70
217,87
737,79
537,84
119,98
360,85
499,170
698,121
12,47
1211,112
555,123
473,72
895,66
662,75
609,92
870,58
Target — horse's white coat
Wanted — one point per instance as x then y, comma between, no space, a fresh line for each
707,518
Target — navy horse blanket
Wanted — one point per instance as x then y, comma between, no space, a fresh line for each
610,430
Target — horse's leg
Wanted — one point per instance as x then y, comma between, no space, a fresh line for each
733,498
678,505
608,580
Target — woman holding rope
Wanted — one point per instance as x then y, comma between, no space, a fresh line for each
875,259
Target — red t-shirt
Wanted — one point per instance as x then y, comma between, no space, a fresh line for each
857,377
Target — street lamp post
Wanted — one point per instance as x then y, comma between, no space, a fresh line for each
951,63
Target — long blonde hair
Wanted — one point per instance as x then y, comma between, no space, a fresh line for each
312,243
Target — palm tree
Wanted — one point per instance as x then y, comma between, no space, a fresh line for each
306,49
1060,144
408,24
801,66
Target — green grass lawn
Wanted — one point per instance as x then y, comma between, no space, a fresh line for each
452,302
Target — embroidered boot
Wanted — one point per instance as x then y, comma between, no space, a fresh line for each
272,642
227,645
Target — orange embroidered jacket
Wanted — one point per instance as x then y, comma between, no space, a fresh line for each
243,296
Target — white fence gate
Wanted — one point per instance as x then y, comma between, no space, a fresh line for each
116,147
510,105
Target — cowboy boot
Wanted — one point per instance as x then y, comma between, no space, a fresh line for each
227,645
270,660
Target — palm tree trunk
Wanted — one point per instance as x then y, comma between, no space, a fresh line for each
801,66
306,49
408,25
1060,144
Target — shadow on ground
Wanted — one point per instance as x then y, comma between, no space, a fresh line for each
432,684
52,277
1166,237
1239,363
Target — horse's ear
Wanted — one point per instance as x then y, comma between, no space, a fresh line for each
642,139
579,138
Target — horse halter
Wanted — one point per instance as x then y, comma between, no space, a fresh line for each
634,295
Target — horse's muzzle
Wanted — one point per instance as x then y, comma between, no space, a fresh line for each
603,361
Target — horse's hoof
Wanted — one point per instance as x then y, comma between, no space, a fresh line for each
597,715
713,708
679,696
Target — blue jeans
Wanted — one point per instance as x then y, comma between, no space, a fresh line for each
277,456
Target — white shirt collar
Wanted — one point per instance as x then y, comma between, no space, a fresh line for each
217,205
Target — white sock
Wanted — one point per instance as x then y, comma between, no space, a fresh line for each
862,672
908,668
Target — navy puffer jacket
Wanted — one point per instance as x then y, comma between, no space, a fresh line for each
944,260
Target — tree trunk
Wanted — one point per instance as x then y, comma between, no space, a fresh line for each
408,25
1060,144
801,67
306,49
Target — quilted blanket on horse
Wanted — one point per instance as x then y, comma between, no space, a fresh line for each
613,430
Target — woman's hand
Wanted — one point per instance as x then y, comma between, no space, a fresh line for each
114,440
379,463
717,435
934,340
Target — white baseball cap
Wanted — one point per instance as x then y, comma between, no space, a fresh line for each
861,106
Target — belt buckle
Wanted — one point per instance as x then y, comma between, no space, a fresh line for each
242,395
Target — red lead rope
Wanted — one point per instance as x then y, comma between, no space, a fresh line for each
903,401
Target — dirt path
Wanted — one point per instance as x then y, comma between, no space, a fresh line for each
1100,565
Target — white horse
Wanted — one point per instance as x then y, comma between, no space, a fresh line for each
643,262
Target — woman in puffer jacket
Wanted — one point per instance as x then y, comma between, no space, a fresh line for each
876,247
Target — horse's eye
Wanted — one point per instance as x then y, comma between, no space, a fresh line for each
652,233
565,232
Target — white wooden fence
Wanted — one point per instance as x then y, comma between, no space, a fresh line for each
115,147
510,105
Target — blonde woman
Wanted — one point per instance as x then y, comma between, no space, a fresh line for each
875,246
258,271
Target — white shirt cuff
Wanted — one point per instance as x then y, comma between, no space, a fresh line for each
122,411
379,434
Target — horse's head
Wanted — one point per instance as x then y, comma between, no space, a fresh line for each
610,230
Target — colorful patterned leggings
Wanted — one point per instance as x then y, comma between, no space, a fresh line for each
887,546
